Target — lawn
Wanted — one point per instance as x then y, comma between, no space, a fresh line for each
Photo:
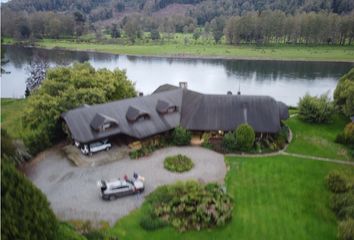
177,48
318,139
278,197
11,113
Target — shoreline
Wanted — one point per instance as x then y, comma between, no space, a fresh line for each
178,56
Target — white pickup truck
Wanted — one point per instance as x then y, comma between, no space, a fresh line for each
96,147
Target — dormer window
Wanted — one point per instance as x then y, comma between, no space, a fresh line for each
164,107
135,114
101,122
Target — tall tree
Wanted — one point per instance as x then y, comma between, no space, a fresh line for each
25,211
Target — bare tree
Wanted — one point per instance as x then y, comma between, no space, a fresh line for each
36,71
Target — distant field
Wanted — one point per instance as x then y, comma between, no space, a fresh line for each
275,198
11,114
283,52
318,139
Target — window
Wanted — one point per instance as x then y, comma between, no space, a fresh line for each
142,118
172,109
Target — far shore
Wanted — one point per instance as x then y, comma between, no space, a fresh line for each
321,53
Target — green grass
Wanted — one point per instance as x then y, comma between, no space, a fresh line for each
318,139
278,197
178,48
11,114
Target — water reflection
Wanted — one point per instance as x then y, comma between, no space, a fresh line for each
284,80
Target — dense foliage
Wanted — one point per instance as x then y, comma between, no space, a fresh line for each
66,88
181,136
245,137
7,146
265,21
188,205
276,26
229,142
347,136
346,229
178,163
314,109
342,202
336,182
25,212
344,94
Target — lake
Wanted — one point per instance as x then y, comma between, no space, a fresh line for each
286,81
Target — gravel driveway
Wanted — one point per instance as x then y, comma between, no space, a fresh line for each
73,193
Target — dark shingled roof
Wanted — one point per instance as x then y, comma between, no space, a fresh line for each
165,87
195,111
79,119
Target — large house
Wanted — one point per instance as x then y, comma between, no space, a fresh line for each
170,106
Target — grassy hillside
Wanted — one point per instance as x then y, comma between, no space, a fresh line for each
11,114
179,49
275,198
318,139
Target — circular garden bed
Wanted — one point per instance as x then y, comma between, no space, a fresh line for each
178,163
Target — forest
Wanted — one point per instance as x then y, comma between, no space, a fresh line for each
234,22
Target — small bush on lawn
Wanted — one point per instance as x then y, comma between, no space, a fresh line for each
315,109
349,133
190,205
178,163
336,182
229,142
346,229
181,136
340,202
245,137
281,138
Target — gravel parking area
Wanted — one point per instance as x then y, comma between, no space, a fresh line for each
73,193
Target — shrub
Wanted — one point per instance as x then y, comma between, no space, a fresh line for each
341,201
349,133
336,182
245,137
281,138
94,235
344,94
151,222
346,229
229,142
178,163
25,211
181,136
206,140
314,109
191,205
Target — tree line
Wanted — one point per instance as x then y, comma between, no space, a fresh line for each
276,26
253,27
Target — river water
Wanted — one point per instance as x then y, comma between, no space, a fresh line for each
286,81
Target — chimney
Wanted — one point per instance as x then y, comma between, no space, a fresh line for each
183,85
